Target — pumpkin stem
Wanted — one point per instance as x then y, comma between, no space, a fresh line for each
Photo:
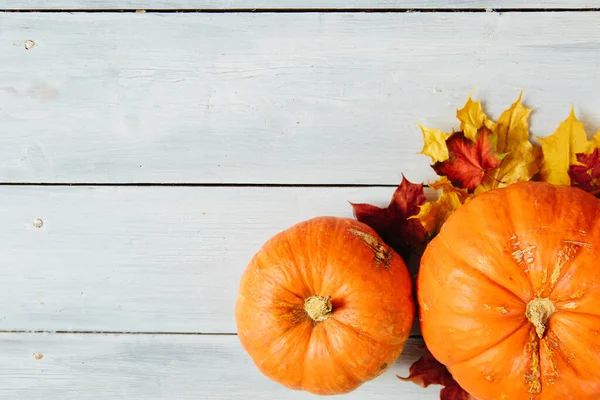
538,312
318,307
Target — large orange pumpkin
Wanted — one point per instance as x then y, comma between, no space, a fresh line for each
509,294
325,306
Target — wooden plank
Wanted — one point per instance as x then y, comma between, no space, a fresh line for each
161,367
272,98
291,4
142,259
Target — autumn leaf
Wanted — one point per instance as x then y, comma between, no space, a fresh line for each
522,160
434,144
596,139
472,118
586,176
469,161
453,391
446,186
561,148
433,214
391,223
429,371
518,158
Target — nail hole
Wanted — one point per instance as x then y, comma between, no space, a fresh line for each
29,44
38,223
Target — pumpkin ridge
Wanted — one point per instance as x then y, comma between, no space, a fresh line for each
284,241
561,345
344,368
362,333
518,228
533,377
468,359
469,268
558,350
266,276
308,340
282,334
567,311
563,272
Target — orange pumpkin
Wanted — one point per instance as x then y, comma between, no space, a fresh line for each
325,306
509,294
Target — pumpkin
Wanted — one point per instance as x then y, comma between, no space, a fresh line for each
509,290
325,306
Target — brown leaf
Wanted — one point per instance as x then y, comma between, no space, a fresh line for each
469,161
392,224
429,371
453,391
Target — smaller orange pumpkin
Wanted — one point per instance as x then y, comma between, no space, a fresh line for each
325,306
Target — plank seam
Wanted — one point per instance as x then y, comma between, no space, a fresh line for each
301,10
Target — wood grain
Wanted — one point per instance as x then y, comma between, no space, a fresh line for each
142,259
272,98
291,4
153,367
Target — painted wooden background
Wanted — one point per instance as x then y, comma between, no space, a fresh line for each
358,5
144,157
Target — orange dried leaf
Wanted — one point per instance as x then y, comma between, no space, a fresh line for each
469,161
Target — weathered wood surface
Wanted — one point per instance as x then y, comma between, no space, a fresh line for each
293,4
159,367
272,98
281,98
143,259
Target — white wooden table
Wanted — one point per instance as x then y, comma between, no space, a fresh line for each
145,156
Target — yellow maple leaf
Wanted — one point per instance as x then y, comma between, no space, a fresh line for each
596,139
560,150
522,160
472,117
433,214
434,144
444,184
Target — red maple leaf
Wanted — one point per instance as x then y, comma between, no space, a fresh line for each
429,371
392,224
587,176
468,161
